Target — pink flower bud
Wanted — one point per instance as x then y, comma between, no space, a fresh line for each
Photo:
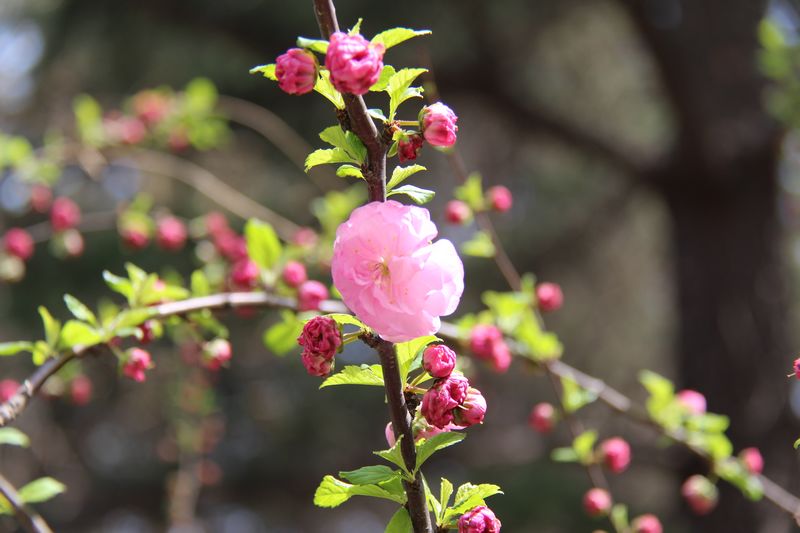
216,223
294,273
80,390
440,400
409,147
597,502
296,71
388,432
457,212
321,337
700,493
171,233
134,236
692,401
18,243
64,214
230,245
8,388
72,243
549,296
439,124
147,334
305,237
438,360
797,368
472,411
480,519
310,295
217,353
244,274
647,523
752,460
486,342
542,417
150,106
41,198
499,198
355,64
137,362
316,365
616,453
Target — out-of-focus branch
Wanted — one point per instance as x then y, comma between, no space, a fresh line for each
90,222
27,517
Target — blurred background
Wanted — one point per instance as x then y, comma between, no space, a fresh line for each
649,147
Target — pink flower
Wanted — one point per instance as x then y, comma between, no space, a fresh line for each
542,417
232,246
138,361
409,147
480,519
693,401
18,243
64,214
134,236
752,460
244,274
389,273
438,360
597,502
616,453
500,198
41,198
440,400
171,233
439,124
316,365
457,212
647,523
216,223
700,493
294,273
355,63
310,295
80,390
296,71
472,411
549,296
217,353
8,388
797,368
486,342
305,237
423,430
321,337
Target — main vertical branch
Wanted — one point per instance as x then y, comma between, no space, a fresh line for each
375,175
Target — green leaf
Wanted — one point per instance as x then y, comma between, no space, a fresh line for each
797,444
407,352
400,522
281,337
199,96
14,437
583,445
395,36
333,492
76,333
267,70
79,310
326,89
377,114
345,319
418,195
199,284
427,447
564,455
369,475
480,245
356,375
263,245
386,74
619,517
13,348
52,327
349,171
433,503
357,28
324,156
347,141
770,35
41,490
315,45
118,284
400,174
394,455
400,90
445,492
88,119
469,496
131,318
574,396
471,192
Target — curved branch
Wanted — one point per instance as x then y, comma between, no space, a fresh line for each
27,517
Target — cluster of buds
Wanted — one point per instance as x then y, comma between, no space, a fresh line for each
451,401
136,363
597,503
497,198
154,116
487,343
321,340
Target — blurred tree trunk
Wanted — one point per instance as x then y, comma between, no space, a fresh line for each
720,186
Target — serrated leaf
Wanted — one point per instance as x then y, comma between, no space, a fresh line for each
347,141
267,70
263,245
41,490
349,171
281,337
469,496
326,89
134,317
445,492
395,36
76,333
356,375
583,445
369,475
345,319
118,284
428,447
433,503
394,455
14,437
399,88
13,348
315,45
418,195
480,245
333,492
324,156
574,396
400,522
383,80
400,174
52,327
377,114
407,352
79,310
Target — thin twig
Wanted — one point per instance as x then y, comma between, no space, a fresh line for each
27,517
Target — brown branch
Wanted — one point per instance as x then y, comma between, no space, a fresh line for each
27,517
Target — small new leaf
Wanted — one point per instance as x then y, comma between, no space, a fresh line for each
13,348
345,319
394,455
480,245
386,74
428,447
76,333
41,490
347,141
369,475
263,245
349,171
267,70
333,492
356,375
400,90
79,310
281,337
52,327
395,36
418,195
400,174
408,351
14,437
400,522
315,45
323,156
326,89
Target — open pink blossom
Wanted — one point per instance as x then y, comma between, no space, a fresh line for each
391,274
